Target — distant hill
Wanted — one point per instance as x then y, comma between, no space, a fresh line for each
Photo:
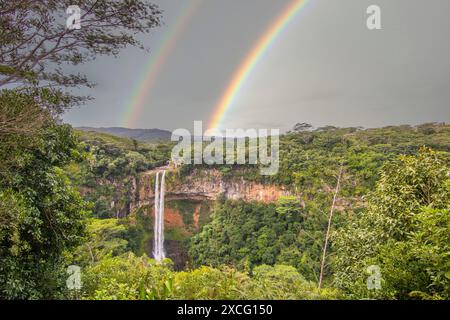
138,134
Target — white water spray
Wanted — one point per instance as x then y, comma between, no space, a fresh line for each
158,246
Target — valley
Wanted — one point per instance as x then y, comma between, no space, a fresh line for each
232,216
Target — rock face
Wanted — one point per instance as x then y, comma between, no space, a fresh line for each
208,185
134,192
187,205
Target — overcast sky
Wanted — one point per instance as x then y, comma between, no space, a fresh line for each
326,68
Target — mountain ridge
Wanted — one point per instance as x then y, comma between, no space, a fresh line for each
138,134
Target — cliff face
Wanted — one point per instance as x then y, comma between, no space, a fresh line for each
188,203
200,185
122,196
208,185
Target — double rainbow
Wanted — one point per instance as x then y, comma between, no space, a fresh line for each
154,66
251,60
156,63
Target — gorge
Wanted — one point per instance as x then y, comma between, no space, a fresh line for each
180,205
202,217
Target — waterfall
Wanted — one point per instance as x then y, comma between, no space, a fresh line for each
158,247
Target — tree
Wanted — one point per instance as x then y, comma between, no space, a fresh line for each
127,277
41,216
418,267
105,237
248,234
21,121
385,232
300,127
210,283
289,207
330,219
20,115
135,144
36,42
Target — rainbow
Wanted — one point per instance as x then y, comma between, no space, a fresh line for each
153,68
251,60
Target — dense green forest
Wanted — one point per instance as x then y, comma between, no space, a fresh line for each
66,195
110,162
393,213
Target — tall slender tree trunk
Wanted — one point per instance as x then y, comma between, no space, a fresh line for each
330,218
